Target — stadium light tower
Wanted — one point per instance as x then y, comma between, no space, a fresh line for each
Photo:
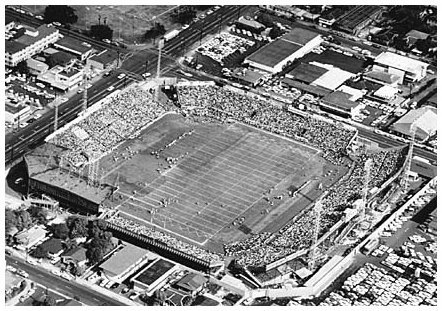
407,170
85,84
367,168
317,210
160,46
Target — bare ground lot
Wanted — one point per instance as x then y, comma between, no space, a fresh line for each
127,21
224,172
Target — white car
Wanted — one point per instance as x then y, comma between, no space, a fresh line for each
111,88
56,24
146,75
64,99
121,76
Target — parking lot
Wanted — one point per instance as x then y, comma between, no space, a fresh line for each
401,270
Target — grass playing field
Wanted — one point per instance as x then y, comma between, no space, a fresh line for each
226,180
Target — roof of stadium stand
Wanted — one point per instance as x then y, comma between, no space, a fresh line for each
401,62
426,122
43,166
274,52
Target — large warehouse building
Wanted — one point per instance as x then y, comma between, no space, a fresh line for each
293,45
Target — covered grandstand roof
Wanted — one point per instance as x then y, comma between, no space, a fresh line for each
43,165
274,52
425,119
401,62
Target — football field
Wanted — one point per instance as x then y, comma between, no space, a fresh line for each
212,182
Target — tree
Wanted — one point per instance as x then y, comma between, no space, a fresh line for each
40,252
275,32
61,231
266,20
77,270
22,67
77,227
10,220
23,219
183,14
63,14
94,254
49,301
101,32
154,32
39,213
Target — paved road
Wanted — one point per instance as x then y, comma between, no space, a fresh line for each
68,288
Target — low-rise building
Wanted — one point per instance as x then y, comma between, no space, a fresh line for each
425,120
76,256
339,102
15,113
407,69
53,247
103,60
62,78
124,262
154,275
191,283
36,67
80,49
30,237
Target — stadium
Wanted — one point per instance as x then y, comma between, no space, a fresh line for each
225,177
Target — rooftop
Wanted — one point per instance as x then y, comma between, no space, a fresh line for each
333,78
357,15
13,47
425,119
43,32
383,76
300,36
77,253
52,246
344,62
250,76
401,62
312,89
73,45
340,100
105,57
123,259
418,35
36,65
250,22
306,73
154,271
273,53
191,281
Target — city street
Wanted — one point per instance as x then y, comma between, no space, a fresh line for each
67,288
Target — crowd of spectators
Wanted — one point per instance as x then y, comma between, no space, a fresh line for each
223,104
169,240
119,119
264,248
223,45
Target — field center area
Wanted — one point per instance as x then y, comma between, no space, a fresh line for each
211,183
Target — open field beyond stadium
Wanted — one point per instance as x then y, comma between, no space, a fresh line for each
223,172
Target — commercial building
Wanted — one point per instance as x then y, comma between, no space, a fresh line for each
407,69
103,60
124,262
80,49
31,42
277,54
249,24
63,78
15,113
358,18
154,275
425,120
306,73
339,102
383,78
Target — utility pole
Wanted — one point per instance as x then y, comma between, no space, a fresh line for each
85,85
407,169
367,169
317,210
56,103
